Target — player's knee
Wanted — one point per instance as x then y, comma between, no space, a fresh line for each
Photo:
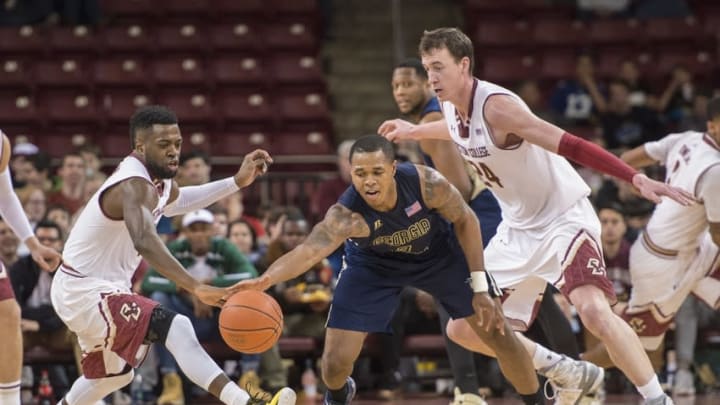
334,365
160,322
596,315
458,330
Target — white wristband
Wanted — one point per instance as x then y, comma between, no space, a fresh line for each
478,281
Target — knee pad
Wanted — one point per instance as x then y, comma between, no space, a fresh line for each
160,321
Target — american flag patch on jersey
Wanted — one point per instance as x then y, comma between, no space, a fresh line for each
413,209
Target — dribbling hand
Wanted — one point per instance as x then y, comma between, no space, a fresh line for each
210,295
653,190
396,130
254,164
489,312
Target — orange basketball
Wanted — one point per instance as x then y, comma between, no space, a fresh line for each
251,321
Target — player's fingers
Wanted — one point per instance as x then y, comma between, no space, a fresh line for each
385,127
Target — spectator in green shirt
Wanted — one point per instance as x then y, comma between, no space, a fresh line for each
206,257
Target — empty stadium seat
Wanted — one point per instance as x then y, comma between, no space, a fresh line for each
615,31
502,33
294,35
25,39
17,106
184,37
189,105
293,68
179,70
239,143
558,65
15,72
309,143
127,71
69,106
236,69
58,144
696,61
303,107
245,107
73,39
244,8
662,30
608,60
560,32
304,7
114,144
61,72
510,68
118,105
236,36
127,37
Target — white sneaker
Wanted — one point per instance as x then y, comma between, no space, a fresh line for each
466,399
662,400
573,380
684,383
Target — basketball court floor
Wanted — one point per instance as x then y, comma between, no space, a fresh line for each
713,399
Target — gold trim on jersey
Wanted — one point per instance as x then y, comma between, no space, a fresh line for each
650,245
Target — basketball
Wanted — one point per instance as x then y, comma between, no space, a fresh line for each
251,321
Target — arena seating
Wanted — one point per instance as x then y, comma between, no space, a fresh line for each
223,72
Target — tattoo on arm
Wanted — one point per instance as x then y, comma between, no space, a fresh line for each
441,195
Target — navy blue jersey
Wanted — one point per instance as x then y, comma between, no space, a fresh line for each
433,105
410,236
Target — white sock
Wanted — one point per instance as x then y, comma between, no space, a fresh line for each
231,394
197,365
544,357
652,389
10,393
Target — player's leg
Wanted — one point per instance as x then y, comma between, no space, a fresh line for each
342,348
588,289
11,348
552,329
462,362
176,333
91,391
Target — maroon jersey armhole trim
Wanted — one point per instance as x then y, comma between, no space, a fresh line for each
102,193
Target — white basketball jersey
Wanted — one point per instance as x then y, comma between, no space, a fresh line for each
533,186
687,157
101,247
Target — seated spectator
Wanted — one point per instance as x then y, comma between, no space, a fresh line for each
33,202
60,216
330,190
242,234
639,90
677,98
304,300
529,92
214,260
39,323
93,167
220,224
588,9
34,170
574,100
71,192
696,119
625,125
21,154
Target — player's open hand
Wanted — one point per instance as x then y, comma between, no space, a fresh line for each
653,190
489,312
254,164
261,283
210,295
396,130
47,258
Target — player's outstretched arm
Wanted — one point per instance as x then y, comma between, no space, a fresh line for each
637,157
398,130
13,213
187,199
438,193
338,225
507,116
133,200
